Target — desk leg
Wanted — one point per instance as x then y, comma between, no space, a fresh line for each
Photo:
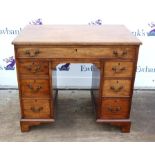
24,127
26,124
125,126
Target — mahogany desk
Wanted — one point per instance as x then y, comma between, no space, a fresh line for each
113,51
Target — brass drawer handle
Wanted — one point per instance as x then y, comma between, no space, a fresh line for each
32,53
34,89
34,69
119,54
118,69
114,109
34,109
116,88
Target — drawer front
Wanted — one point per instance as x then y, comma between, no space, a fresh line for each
32,67
115,109
116,88
77,52
118,69
36,108
35,88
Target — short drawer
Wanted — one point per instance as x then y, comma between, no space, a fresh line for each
35,88
33,67
116,88
77,52
115,109
36,108
118,69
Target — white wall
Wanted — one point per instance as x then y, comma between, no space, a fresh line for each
137,15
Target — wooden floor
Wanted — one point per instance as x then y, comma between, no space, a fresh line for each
75,119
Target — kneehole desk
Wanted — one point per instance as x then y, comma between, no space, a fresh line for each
112,50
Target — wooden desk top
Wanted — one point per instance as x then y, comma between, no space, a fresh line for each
76,35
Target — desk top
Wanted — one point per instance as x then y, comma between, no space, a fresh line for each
76,35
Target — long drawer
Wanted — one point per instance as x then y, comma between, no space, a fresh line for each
126,52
